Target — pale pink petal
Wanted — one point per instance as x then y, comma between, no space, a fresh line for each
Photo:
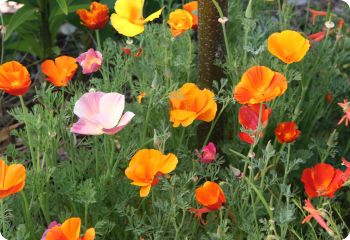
90,61
111,109
88,105
126,118
86,127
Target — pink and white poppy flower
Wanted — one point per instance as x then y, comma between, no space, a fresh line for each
90,61
100,113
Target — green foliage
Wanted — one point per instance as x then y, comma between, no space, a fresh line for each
83,176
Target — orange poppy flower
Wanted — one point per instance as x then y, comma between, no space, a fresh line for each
180,21
287,132
324,180
12,178
190,103
260,84
192,8
60,71
14,78
69,230
288,46
147,166
96,18
211,196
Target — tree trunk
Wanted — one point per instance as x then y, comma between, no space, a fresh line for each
211,50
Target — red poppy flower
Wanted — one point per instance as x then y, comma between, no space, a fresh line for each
248,117
96,18
324,180
287,132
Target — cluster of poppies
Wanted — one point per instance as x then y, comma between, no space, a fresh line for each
103,113
260,84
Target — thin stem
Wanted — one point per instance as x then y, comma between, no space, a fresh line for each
280,14
213,124
25,111
221,14
2,39
99,47
145,126
248,15
86,214
27,215
45,28
260,196
2,209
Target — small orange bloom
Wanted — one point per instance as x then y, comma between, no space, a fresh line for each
192,8
12,178
190,103
147,166
141,96
14,78
60,71
324,180
260,84
211,196
69,230
287,132
288,46
180,21
96,18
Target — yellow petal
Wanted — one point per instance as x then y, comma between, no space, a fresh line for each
168,164
144,191
129,9
124,27
153,16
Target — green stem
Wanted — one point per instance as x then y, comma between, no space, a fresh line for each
248,15
2,39
260,196
221,13
3,220
86,214
329,146
212,126
27,216
145,125
25,112
99,47
46,40
280,14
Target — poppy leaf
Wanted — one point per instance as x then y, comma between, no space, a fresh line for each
63,5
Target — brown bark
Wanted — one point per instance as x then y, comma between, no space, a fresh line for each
211,50
211,42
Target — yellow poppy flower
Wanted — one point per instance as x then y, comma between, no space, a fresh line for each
128,19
